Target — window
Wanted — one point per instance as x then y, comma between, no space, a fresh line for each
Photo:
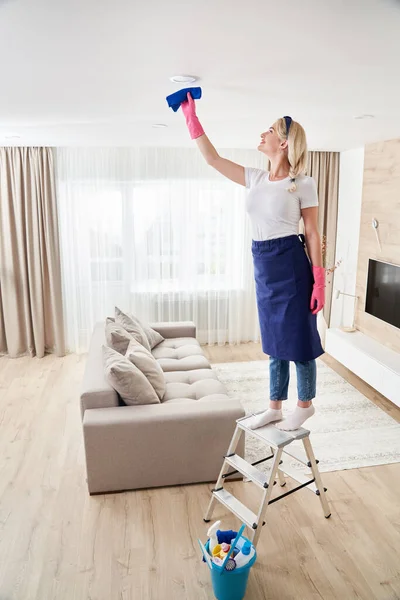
158,235
186,237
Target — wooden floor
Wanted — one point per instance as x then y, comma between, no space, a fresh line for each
57,542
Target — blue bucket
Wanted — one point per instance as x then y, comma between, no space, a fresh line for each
230,585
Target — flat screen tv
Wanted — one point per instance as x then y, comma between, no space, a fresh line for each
383,292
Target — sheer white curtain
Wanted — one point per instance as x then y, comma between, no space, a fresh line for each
158,233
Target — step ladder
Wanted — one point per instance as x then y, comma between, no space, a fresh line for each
281,451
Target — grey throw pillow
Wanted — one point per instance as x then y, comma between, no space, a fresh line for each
153,336
143,333
117,337
132,326
150,367
130,383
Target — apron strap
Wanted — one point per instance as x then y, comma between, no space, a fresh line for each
303,243
302,239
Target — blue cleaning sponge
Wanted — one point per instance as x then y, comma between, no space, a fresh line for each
226,536
176,99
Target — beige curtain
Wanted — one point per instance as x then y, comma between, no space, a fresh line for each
31,314
324,168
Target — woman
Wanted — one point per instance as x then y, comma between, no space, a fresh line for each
290,291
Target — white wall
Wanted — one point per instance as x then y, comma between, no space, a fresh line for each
348,233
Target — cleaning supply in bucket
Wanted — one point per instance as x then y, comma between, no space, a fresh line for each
212,534
224,549
221,550
218,537
228,580
230,565
239,543
216,551
226,536
239,557
245,555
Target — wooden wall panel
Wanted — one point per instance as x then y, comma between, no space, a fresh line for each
381,200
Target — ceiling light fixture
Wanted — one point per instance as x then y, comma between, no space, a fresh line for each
159,125
183,78
12,137
359,117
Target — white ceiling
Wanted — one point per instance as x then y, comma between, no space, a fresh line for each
95,72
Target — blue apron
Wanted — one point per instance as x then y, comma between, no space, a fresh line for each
284,283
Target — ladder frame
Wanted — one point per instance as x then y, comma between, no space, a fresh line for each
277,450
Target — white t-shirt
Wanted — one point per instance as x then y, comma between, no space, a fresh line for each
274,211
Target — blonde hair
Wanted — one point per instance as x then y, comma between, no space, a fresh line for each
297,148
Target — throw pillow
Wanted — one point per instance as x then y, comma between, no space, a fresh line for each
150,337
132,326
130,383
153,336
117,337
145,361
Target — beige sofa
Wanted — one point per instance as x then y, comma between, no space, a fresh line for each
180,441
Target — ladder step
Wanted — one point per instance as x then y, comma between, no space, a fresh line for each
241,465
271,435
240,510
297,475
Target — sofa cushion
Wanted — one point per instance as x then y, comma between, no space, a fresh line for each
180,354
130,383
189,376
200,384
176,343
117,337
194,391
145,362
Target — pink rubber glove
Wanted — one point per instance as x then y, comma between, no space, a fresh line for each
318,294
192,122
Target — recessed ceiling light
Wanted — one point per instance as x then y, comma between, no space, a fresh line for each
12,137
358,117
159,125
183,78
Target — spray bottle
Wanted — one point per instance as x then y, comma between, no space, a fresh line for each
212,534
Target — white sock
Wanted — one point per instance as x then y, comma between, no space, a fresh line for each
296,418
268,416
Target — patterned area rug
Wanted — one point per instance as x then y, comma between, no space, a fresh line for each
347,431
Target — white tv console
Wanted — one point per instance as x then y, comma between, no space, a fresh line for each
371,361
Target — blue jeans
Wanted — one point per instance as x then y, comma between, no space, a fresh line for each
279,379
